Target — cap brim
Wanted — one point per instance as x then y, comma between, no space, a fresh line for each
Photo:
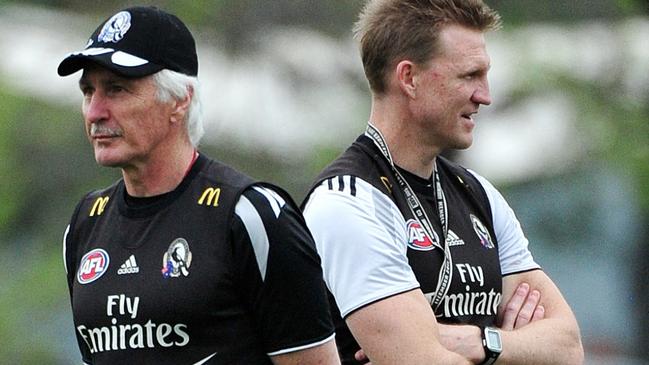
119,62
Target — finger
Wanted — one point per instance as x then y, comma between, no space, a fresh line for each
539,313
527,310
360,355
513,306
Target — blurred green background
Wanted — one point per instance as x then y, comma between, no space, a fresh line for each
566,140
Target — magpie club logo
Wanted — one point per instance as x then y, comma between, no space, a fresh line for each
482,232
115,28
177,260
93,265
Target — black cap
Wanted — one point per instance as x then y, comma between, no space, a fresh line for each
137,42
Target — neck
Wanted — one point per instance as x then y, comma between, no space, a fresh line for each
160,173
408,148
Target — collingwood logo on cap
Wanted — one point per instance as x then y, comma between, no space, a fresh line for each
156,40
115,28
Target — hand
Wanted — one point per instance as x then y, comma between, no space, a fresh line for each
522,309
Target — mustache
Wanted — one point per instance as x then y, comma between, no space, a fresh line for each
97,129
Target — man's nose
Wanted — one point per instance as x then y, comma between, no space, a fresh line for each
95,108
481,95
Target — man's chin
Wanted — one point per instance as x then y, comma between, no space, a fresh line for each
463,144
106,161
105,164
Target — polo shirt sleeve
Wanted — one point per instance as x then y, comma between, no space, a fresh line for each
361,238
513,250
278,272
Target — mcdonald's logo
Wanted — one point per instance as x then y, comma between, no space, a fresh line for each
99,206
210,197
386,182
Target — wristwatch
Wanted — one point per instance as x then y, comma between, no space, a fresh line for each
492,344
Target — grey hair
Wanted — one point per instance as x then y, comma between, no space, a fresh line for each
176,85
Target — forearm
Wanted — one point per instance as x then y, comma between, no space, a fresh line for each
410,337
548,341
421,356
465,340
554,339
527,336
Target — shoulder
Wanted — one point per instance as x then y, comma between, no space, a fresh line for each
471,180
496,200
489,188
217,172
360,222
214,183
90,207
360,160
95,202
266,200
267,210
348,190
362,212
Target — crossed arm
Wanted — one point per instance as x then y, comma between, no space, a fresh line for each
400,329
522,308
536,322
555,339
538,328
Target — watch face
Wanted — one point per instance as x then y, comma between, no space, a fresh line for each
492,338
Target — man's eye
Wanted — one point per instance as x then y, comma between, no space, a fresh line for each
116,88
86,91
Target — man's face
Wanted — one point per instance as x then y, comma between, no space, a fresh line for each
125,122
452,87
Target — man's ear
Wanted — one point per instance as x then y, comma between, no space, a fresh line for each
181,106
406,74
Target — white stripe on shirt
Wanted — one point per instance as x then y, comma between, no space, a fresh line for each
256,231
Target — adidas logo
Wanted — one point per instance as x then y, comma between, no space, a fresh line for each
453,239
129,267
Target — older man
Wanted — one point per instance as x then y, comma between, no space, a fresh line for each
419,253
184,260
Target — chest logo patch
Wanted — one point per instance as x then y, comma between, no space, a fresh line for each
453,239
93,265
177,260
417,237
482,232
129,267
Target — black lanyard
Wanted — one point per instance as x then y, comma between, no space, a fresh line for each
446,272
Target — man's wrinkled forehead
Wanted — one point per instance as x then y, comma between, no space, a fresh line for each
93,74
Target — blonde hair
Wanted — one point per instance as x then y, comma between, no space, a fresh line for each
392,30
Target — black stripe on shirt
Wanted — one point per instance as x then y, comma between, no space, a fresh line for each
341,184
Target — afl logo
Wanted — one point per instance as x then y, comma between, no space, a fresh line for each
417,237
93,265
